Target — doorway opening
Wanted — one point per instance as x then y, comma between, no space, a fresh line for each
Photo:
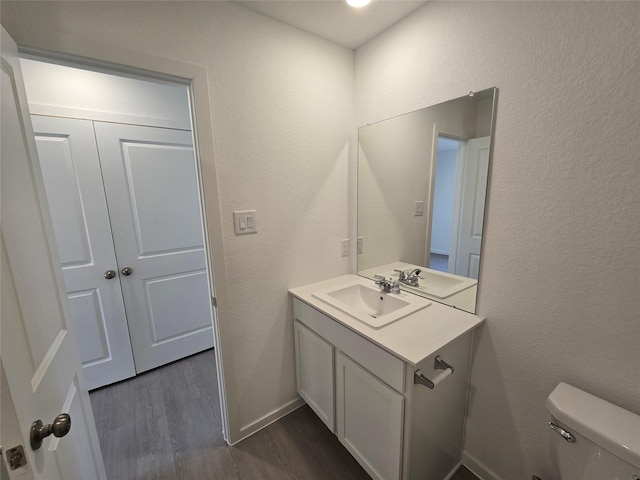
122,175
446,193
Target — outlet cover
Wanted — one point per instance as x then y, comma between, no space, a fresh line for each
346,247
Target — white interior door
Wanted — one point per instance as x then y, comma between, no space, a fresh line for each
75,193
38,349
150,180
474,189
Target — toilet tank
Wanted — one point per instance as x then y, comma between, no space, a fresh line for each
603,439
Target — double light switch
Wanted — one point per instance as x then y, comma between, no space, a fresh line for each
244,221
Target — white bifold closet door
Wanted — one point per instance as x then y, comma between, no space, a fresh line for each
125,198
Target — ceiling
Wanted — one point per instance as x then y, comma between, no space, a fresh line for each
334,20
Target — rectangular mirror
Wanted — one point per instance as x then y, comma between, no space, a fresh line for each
422,180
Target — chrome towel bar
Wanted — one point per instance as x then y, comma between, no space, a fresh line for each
419,378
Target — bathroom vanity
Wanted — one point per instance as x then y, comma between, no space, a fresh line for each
359,378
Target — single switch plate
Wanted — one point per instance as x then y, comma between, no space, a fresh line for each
360,244
346,247
419,211
244,221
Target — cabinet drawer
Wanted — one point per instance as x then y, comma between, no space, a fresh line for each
382,364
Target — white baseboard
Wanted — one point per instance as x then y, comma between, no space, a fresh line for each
453,472
269,418
478,468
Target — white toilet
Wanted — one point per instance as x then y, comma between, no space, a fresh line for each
592,439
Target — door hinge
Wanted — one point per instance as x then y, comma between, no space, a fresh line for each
214,302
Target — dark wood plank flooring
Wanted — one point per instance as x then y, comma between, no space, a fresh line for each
165,425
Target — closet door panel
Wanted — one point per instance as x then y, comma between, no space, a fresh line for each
153,197
161,185
75,193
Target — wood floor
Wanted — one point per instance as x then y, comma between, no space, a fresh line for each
165,425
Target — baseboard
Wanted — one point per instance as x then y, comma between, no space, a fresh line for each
269,418
478,468
453,472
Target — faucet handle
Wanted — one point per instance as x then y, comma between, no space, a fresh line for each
402,275
383,283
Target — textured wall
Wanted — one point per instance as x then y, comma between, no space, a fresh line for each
282,104
560,278
560,273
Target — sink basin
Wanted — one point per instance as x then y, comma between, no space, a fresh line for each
369,305
441,284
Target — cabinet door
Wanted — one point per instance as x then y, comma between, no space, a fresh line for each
314,373
369,416
73,183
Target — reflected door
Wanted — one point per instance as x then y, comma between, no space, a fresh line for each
474,187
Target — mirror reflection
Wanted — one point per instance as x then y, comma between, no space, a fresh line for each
422,180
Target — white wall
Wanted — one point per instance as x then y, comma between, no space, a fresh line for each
61,90
282,103
443,200
560,271
560,274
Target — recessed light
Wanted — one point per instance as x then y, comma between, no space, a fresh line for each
358,3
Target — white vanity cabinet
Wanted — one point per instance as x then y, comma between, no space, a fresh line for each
366,397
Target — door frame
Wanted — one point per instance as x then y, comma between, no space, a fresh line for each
116,60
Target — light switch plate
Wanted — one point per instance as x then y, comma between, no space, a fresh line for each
419,211
244,221
360,244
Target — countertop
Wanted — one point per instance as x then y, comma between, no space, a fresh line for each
412,338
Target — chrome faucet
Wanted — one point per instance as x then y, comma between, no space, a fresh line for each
385,285
412,278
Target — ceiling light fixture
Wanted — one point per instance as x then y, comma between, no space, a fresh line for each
358,3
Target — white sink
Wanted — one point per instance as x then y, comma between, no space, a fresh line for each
440,284
370,305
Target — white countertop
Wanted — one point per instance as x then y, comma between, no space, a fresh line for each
412,338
